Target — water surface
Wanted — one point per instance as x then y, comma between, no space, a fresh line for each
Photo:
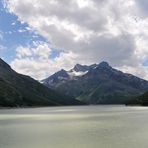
74,127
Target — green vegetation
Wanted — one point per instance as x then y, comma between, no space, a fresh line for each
141,100
144,99
20,90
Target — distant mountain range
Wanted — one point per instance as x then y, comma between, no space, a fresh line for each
20,90
97,84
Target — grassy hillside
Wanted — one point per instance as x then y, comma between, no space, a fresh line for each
21,90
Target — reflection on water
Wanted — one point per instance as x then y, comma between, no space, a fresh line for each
74,127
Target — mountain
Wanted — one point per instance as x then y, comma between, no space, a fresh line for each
20,90
97,84
63,75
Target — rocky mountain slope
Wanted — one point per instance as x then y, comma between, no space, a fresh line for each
21,90
97,84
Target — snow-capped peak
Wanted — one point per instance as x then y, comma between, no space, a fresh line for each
74,73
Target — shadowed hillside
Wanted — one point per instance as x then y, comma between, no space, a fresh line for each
21,90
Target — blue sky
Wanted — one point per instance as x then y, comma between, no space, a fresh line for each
145,63
14,33
11,37
38,37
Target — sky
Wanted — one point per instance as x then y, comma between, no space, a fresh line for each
40,37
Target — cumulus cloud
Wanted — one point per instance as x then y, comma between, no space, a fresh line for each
35,61
140,71
40,49
89,30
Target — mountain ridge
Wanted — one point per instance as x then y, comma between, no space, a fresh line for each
98,84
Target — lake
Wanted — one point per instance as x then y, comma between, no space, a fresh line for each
74,127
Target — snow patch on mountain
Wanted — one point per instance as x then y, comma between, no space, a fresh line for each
76,74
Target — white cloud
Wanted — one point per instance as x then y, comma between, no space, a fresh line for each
39,49
13,23
35,61
22,30
140,71
91,30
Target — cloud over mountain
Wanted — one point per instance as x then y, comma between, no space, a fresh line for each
85,31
